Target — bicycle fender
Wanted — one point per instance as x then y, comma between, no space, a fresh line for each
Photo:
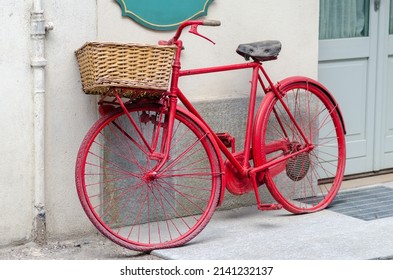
296,79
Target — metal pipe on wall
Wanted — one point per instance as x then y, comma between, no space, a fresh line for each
38,63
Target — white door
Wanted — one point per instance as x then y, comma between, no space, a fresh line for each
356,64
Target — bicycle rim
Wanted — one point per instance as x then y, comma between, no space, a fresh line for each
309,181
130,205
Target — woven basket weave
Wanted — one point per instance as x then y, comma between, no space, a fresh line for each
131,70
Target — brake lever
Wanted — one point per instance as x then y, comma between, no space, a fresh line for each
194,30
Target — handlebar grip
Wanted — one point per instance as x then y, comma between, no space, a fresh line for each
211,23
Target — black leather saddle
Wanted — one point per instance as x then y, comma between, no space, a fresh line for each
260,51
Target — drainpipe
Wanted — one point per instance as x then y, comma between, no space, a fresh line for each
38,63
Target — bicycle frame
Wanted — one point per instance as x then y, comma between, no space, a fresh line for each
256,79
175,94
243,169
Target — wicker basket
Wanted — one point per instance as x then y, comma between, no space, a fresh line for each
131,70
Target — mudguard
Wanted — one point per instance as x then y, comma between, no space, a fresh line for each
296,79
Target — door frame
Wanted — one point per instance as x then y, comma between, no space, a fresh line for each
385,48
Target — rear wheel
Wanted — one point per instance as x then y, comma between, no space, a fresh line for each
309,180
128,202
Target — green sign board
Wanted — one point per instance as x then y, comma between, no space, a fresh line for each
163,14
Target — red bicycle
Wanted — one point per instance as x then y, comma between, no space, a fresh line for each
150,173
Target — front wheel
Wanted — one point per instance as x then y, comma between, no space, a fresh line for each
309,180
129,201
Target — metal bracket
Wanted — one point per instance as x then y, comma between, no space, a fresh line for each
49,26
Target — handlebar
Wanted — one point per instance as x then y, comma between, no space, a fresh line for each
211,22
194,25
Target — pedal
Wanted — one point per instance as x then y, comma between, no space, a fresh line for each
269,207
227,140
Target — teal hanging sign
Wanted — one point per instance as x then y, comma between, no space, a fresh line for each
163,14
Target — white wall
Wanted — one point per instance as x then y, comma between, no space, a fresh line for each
70,113
294,23
16,148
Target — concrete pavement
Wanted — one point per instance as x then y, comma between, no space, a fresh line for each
248,234
277,235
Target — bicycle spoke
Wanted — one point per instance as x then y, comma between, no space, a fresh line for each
296,184
129,202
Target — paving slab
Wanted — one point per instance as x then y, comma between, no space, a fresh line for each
249,234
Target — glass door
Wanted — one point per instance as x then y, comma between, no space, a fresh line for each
347,54
344,19
356,64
